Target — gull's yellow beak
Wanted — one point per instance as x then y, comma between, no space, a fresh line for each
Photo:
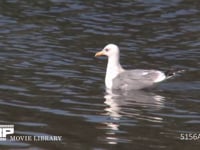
101,53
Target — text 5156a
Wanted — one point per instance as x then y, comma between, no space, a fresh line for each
189,136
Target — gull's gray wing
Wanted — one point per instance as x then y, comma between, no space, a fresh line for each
135,79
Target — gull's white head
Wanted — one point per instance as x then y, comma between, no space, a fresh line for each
109,50
113,65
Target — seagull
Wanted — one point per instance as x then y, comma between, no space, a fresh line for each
118,78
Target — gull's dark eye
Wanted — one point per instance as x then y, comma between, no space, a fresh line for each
106,49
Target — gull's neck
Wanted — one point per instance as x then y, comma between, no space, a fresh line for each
113,69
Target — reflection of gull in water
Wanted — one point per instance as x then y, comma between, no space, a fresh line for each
127,104
132,106
113,109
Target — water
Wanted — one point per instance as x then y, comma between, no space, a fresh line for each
52,85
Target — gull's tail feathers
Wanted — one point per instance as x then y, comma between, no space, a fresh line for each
173,72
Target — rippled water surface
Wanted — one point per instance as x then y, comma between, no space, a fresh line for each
52,85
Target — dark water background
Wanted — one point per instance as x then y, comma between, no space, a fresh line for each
52,85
